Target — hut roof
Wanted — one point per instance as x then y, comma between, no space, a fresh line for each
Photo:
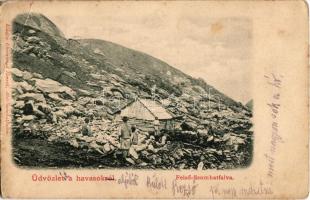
146,109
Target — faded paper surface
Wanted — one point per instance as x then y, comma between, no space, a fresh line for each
247,50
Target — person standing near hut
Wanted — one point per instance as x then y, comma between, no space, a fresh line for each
134,135
156,127
86,131
125,137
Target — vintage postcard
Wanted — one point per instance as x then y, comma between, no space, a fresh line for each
154,99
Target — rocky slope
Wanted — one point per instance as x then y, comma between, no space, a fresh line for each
59,82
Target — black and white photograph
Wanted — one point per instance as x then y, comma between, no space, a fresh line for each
132,91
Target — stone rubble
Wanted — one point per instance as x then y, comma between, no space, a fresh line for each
217,141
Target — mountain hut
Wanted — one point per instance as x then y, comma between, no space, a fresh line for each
143,113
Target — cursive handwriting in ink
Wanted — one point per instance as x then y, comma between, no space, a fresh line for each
185,189
250,191
274,105
155,183
128,179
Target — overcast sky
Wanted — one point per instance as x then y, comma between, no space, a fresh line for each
215,49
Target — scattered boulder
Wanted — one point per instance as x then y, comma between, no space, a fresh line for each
70,74
19,104
16,72
118,93
107,147
188,125
182,166
60,113
45,108
130,161
27,118
68,110
27,75
33,39
38,113
17,90
210,138
36,75
140,147
32,96
31,31
133,153
200,166
203,132
54,97
23,87
86,93
51,86
74,143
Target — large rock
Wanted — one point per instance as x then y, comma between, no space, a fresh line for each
45,108
55,97
27,118
130,161
33,39
140,147
19,104
74,143
82,92
68,110
27,75
133,153
16,72
200,166
21,74
188,125
38,113
70,74
233,139
51,86
32,96
60,114
24,86
107,147
17,90
100,139
203,132
37,75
